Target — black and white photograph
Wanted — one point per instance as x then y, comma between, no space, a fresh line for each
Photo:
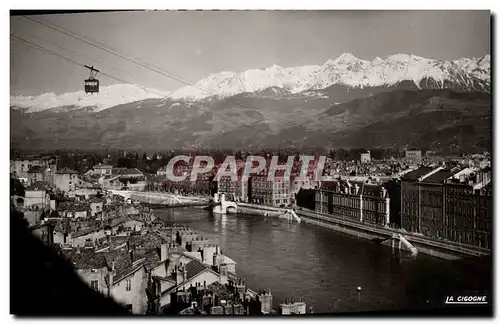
243,163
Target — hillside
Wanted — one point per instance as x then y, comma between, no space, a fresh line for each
437,119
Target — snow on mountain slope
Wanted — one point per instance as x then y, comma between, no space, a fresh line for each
109,96
467,73
470,74
229,83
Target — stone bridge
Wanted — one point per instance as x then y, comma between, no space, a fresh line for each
161,198
222,205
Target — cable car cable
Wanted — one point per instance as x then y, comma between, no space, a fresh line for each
44,49
87,58
83,65
119,55
137,62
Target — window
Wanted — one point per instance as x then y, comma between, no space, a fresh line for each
94,284
128,284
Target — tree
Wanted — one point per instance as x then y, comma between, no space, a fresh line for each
16,187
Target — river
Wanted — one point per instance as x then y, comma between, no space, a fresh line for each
326,267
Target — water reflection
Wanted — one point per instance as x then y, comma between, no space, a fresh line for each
325,267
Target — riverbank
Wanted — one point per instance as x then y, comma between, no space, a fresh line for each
437,248
267,211
325,267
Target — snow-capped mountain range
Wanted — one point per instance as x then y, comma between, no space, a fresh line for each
469,74
473,73
109,96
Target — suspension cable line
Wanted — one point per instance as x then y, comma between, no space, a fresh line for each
158,70
46,50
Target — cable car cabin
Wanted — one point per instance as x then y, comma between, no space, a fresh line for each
91,85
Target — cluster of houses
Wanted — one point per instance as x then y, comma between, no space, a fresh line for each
121,250
149,267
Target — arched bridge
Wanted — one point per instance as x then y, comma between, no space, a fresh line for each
222,205
162,199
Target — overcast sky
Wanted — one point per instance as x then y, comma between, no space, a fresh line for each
192,45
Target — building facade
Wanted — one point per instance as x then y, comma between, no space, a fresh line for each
410,199
238,188
66,180
354,201
452,204
37,195
130,178
20,167
103,169
413,155
469,212
365,157
275,192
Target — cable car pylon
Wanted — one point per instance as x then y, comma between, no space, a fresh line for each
92,83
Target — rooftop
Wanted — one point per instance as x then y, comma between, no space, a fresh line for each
126,171
73,206
439,177
103,166
66,171
414,175
85,258
37,169
37,186
194,268
123,264
373,190
148,241
96,200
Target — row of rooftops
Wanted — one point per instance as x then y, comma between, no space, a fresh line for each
456,175
65,170
358,188
132,254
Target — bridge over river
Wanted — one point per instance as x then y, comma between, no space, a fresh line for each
163,199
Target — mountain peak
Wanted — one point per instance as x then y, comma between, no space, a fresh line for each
405,58
345,58
275,67
399,57
485,59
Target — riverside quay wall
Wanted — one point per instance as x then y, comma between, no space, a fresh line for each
438,248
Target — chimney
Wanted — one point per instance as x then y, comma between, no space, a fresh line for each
202,254
383,192
266,302
179,274
110,278
462,178
223,274
164,252
184,274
